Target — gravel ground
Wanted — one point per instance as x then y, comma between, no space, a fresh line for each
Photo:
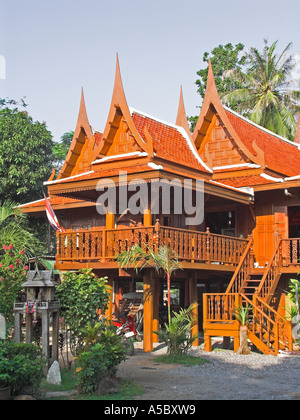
227,376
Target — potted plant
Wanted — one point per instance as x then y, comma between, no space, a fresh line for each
21,365
5,388
242,314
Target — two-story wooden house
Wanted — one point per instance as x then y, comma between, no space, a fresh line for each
244,248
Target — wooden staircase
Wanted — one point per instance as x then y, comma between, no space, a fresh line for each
267,329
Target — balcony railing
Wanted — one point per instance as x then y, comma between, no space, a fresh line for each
102,245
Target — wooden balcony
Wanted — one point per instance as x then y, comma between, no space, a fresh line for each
97,247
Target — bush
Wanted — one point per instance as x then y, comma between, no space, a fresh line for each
81,295
21,365
177,334
101,357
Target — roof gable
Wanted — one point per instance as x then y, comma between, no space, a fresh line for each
78,157
213,112
281,155
120,134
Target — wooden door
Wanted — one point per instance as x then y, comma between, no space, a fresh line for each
264,234
281,221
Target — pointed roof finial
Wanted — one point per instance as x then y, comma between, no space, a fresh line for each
211,83
118,93
82,124
119,102
82,116
297,136
181,119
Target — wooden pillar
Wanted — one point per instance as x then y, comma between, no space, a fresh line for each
109,310
45,332
148,310
194,300
18,327
110,220
55,335
29,329
155,326
147,217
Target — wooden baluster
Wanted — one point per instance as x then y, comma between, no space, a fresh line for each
104,245
74,246
157,234
58,246
208,245
93,245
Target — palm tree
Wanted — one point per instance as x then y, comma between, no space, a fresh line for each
267,95
165,259
12,230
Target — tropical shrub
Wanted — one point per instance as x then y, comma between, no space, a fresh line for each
177,334
81,295
12,275
243,314
294,291
102,354
20,365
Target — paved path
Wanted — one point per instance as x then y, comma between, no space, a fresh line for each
227,377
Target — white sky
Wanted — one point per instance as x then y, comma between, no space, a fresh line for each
52,48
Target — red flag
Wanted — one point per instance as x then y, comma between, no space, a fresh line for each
52,217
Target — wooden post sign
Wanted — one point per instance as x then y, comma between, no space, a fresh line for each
2,328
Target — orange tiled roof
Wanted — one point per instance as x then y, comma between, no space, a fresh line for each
246,181
53,201
102,174
169,142
280,155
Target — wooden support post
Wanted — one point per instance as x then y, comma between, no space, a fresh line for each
148,311
55,335
109,310
236,343
155,326
18,327
29,329
194,313
207,343
45,332
147,217
110,220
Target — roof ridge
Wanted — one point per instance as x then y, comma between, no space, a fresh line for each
134,110
261,128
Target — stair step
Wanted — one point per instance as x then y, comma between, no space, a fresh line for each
254,281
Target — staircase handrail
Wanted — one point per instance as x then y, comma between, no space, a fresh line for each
257,308
273,269
278,319
241,269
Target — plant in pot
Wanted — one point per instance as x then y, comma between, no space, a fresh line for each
21,365
5,388
243,314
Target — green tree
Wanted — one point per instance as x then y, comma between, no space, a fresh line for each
81,295
25,154
60,150
164,259
15,230
223,57
266,94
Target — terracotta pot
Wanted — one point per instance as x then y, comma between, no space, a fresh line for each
5,393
